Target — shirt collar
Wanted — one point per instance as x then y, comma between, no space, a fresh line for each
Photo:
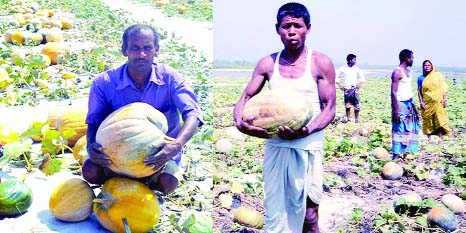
155,77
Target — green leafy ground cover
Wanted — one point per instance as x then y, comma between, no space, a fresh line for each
350,170
199,10
99,30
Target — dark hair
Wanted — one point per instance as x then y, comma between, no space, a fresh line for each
350,57
138,28
294,9
405,54
423,63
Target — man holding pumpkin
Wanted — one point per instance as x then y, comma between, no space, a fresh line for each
292,167
141,79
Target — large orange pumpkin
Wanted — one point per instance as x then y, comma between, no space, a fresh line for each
130,134
124,198
53,115
271,109
54,50
72,200
73,118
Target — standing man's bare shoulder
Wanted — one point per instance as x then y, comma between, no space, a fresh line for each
396,74
265,66
322,67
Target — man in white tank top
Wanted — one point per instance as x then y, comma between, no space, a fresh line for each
292,168
405,117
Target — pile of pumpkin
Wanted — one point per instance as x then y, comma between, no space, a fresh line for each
133,129
34,27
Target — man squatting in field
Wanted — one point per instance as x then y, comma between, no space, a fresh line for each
292,166
349,79
141,79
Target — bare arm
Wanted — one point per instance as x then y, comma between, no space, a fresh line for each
254,86
338,79
396,76
421,99
326,89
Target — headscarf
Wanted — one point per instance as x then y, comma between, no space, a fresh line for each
434,88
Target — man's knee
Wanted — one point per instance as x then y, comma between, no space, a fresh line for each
93,173
166,183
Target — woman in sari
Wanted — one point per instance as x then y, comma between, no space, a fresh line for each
432,93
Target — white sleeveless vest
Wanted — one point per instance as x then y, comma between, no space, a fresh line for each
404,91
308,86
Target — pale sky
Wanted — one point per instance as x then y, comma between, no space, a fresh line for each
375,30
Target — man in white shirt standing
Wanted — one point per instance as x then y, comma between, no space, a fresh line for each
349,79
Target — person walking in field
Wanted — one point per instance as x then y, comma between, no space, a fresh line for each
141,79
350,79
432,93
405,117
292,166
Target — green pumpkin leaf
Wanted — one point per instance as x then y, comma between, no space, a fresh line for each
189,221
14,151
174,222
50,166
203,224
35,129
66,134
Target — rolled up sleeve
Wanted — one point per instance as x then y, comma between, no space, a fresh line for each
185,100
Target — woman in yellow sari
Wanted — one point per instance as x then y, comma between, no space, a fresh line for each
432,93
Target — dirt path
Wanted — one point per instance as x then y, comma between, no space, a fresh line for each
193,33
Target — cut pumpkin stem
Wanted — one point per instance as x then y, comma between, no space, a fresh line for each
106,202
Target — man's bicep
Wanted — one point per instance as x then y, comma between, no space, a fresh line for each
327,82
257,81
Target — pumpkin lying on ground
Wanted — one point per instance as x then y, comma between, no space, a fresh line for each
124,198
271,109
79,150
55,50
407,203
72,200
248,217
392,171
15,197
381,153
454,203
130,134
74,118
442,217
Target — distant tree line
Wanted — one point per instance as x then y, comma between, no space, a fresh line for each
228,64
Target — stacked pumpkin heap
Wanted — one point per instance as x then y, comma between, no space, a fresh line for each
127,136
31,26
